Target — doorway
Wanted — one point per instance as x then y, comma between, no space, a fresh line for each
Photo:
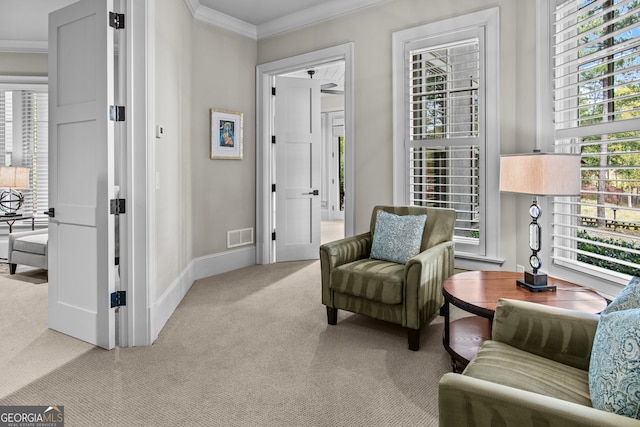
265,206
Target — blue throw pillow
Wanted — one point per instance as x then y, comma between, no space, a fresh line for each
614,368
397,238
628,298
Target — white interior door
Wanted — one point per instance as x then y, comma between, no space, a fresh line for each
297,168
81,156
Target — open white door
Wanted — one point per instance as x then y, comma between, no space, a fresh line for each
81,229
297,165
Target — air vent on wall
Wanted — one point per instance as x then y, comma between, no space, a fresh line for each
239,237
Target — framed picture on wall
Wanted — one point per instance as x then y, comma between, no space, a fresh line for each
226,134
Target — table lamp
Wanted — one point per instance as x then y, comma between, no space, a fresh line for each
12,179
539,174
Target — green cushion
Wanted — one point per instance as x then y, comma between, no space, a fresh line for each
501,363
370,279
397,238
614,369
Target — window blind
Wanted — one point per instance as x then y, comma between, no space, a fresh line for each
35,153
444,131
447,177
444,91
597,114
24,142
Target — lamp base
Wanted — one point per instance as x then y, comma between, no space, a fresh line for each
535,288
535,282
535,279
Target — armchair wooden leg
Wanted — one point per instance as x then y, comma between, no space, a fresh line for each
332,315
414,339
12,268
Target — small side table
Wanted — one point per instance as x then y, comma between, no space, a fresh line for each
477,292
11,219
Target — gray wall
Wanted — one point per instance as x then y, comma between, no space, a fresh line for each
199,67
23,64
371,30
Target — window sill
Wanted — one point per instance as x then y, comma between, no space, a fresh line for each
467,261
607,283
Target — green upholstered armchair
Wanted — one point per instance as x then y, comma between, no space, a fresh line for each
406,294
534,372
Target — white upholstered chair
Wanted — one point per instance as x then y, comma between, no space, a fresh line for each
28,248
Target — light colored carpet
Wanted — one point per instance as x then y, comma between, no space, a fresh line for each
249,347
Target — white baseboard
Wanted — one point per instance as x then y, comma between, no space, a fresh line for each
210,265
199,268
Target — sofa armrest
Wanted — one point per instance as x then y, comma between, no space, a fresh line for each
465,401
17,234
565,336
424,275
339,252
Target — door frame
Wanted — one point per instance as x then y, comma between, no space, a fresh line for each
138,247
265,206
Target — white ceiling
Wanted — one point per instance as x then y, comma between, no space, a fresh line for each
257,12
330,74
23,23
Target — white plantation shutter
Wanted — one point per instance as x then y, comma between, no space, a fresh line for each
448,177
597,113
40,165
446,127
444,131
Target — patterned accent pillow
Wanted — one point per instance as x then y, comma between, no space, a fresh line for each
397,238
628,298
614,368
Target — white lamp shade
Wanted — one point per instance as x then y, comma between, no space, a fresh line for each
541,174
14,177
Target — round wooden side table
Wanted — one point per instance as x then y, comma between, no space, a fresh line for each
477,292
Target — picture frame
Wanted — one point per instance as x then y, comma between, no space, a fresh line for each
226,134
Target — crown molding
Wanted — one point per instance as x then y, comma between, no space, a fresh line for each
24,46
219,19
291,22
313,15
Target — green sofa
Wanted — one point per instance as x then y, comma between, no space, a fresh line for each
534,372
406,294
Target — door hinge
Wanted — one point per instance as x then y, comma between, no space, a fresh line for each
117,206
116,113
116,20
273,188
273,139
273,236
118,299
273,91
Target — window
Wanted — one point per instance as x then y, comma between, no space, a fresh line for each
446,134
596,110
24,142
444,148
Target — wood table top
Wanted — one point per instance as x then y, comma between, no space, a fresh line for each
478,292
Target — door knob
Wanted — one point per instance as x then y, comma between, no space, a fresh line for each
50,213
315,192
